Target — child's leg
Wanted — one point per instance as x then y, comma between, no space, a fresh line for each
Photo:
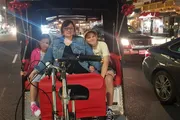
109,93
109,90
34,88
33,92
33,97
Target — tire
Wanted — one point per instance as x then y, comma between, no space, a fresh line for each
164,87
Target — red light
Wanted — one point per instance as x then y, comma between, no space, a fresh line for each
147,53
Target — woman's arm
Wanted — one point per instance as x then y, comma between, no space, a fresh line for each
47,58
41,66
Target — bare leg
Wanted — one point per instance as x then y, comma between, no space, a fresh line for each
109,89
33,92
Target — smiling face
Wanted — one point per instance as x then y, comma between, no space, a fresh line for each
91,39
69,30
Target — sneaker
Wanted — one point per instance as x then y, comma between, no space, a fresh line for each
109,114
35,110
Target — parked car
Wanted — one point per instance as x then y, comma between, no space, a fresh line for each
135,42
161,67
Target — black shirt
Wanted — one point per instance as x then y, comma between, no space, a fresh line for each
72,67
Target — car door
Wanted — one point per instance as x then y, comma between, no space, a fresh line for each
175,62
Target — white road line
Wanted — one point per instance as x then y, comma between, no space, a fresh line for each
2,94
15,58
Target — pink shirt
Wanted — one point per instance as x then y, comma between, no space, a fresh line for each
35,58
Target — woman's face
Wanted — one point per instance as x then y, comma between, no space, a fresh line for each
44,44
91,39
68,31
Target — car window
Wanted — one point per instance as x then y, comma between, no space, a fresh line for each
175,47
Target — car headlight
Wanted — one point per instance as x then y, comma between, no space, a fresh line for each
125,42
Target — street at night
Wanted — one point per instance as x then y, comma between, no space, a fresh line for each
62,42
141,102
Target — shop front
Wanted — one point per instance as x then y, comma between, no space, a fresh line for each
161,18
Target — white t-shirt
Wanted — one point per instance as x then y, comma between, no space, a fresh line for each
101,49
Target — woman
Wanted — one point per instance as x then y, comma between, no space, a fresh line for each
67,45
100,48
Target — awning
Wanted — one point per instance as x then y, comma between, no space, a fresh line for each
167,6
149,14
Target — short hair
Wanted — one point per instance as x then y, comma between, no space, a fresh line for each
66,23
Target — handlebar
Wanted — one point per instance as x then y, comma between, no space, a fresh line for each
81,58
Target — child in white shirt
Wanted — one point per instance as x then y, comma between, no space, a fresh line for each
100,48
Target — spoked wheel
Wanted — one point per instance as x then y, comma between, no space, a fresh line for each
164,87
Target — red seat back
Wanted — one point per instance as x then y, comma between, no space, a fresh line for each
94,106
116,60
26,64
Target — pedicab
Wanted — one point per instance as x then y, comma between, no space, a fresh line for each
89,101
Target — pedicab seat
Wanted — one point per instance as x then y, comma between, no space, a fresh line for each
116,60
77,92
94,106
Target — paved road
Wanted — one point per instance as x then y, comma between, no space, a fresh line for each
10,86
141,102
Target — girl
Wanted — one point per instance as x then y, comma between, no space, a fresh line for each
100,48
36,56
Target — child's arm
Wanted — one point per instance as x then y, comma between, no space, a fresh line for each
105,65
105,54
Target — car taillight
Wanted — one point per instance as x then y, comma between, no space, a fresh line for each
129,46
147,53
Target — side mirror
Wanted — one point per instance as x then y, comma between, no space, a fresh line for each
139,32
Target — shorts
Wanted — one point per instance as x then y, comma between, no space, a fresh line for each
37,78
111,72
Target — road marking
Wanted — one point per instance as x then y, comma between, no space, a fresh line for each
2,94
15,58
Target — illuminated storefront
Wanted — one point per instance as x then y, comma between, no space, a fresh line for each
167,21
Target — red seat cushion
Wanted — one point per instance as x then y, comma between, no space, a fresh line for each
94,106
27,85
116,62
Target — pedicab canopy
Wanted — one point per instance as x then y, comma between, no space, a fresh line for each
33,13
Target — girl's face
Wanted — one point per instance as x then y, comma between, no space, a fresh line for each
91,39
68,31
44,44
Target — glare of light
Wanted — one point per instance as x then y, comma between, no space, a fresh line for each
4,7
13,31
159,41
55,22
125,41
175,23
45,29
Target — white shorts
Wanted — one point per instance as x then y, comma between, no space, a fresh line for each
37,78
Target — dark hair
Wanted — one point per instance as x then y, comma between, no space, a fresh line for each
44,36
66,23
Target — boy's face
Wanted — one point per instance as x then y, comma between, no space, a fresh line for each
91,39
